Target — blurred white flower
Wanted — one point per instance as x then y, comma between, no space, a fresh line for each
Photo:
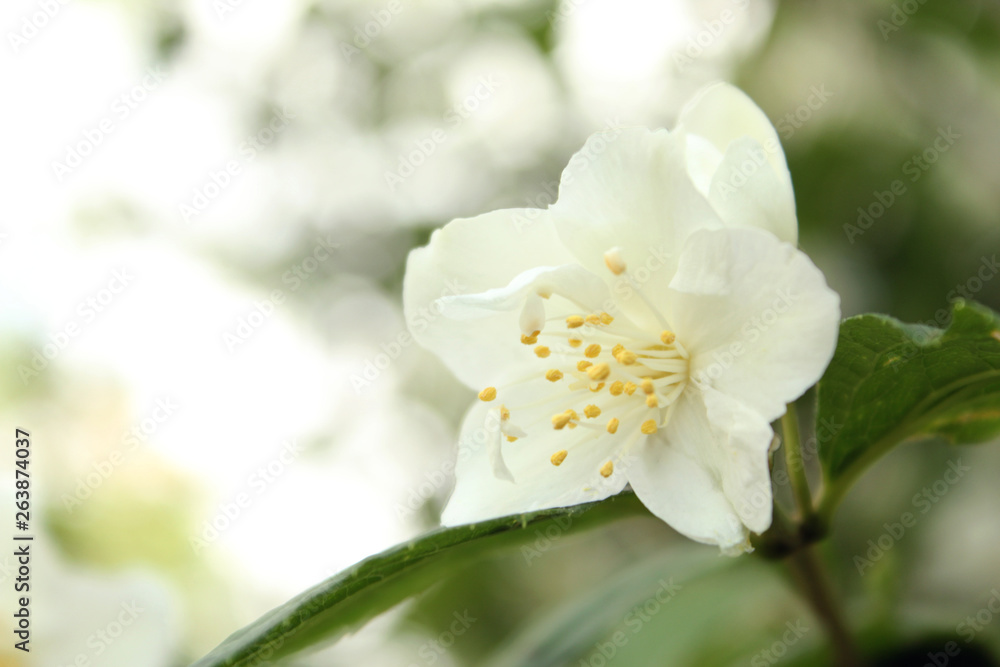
643,330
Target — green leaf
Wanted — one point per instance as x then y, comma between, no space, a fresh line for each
350,599
890,381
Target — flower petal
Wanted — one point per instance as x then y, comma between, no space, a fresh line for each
756,316
740,131
479,494
468,256
630,188
682,475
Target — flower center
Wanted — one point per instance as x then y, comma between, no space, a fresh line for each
618,378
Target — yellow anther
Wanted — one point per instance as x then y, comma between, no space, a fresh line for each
511,438
488,394
606,318
596,387
559,457
647,386
613,260
572,414
612,425
592,350
626,357
560,420
542,351
583,365
617,349
651,401
607,469
574,321
575,342
504,413
616,388
530,340
599,371
592,411
593,319
648,427
553,375
667,337
630,388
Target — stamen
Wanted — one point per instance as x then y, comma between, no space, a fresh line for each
612,425
630,388
504,413
530,340
592,350
599,371
488,394
626,357
553,375
593,319
574,321
542,351
559,457
575,342
667,337
583,365
606,318
607,469
616,388
511,438
648,427
647,386
613,260
596,387
651,401
592,411
560,420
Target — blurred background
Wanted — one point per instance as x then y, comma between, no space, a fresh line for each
206,211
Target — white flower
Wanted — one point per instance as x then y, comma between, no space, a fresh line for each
645,329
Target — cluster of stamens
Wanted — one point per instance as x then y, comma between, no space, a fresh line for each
611,369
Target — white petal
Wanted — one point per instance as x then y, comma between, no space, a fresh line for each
480,495
759,321
630,188
745,192
532,314
724,115
570,281
674,473
473,255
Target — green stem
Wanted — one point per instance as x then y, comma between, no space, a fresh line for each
794,463
811,576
